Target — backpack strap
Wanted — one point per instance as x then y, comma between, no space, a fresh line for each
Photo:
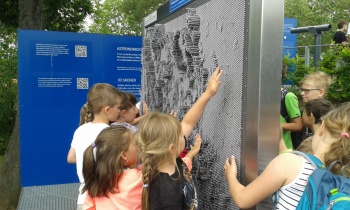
312,159
283,110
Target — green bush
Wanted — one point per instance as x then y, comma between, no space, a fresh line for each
335,62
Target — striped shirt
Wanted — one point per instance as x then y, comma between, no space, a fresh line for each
289,195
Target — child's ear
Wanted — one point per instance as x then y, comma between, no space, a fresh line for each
312,118
123,156
106,109
171,148
322,93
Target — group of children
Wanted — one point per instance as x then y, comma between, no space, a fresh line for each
325,135
123,166
298,125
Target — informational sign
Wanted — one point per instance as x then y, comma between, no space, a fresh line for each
176,4
55,72
289,39
289,42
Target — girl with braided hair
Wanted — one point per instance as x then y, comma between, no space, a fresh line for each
161,138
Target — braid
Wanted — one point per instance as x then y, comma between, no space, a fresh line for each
88,115
146,177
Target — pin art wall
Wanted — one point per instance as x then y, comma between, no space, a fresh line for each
183,43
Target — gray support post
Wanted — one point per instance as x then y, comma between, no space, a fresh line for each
317,52
307,56
264,66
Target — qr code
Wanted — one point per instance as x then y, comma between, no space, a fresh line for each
80,51
82,83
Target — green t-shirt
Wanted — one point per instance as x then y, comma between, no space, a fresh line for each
293,111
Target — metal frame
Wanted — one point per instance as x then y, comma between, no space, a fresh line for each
264,83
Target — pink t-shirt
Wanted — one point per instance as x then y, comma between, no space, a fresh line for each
128,197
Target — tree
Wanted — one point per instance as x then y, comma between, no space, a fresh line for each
122,17
8,85
310,13
56,15
36,15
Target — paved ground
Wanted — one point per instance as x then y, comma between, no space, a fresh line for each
49,197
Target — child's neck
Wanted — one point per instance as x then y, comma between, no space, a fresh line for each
121,121
168,166
100,119
314,127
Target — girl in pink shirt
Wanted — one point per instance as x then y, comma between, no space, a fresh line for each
111,180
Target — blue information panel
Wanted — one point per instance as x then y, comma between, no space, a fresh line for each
289,39
55,72
176,4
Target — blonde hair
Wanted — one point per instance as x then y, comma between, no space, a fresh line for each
99,96
155,134
337,122
319,79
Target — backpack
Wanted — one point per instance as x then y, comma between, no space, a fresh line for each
324,191
297,137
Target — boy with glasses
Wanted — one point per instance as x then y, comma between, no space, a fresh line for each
314,86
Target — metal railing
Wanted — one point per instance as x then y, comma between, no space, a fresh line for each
304,51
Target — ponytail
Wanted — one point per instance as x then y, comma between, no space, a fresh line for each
89,168
337,123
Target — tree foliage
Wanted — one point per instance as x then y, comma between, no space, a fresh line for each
58,15
311,12
122,17
8,84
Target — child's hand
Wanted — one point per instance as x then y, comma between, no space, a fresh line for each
172,112
214,82
230,169
144,108
197,145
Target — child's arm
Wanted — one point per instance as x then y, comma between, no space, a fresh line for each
145,112
71,156
282,145
295,125
193,152
291,103
280,171
193,115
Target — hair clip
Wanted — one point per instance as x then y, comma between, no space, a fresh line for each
145,186
94,153
93,144
344,135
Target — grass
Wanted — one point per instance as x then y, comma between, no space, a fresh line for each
1,157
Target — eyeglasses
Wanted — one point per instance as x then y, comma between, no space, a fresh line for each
306,91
